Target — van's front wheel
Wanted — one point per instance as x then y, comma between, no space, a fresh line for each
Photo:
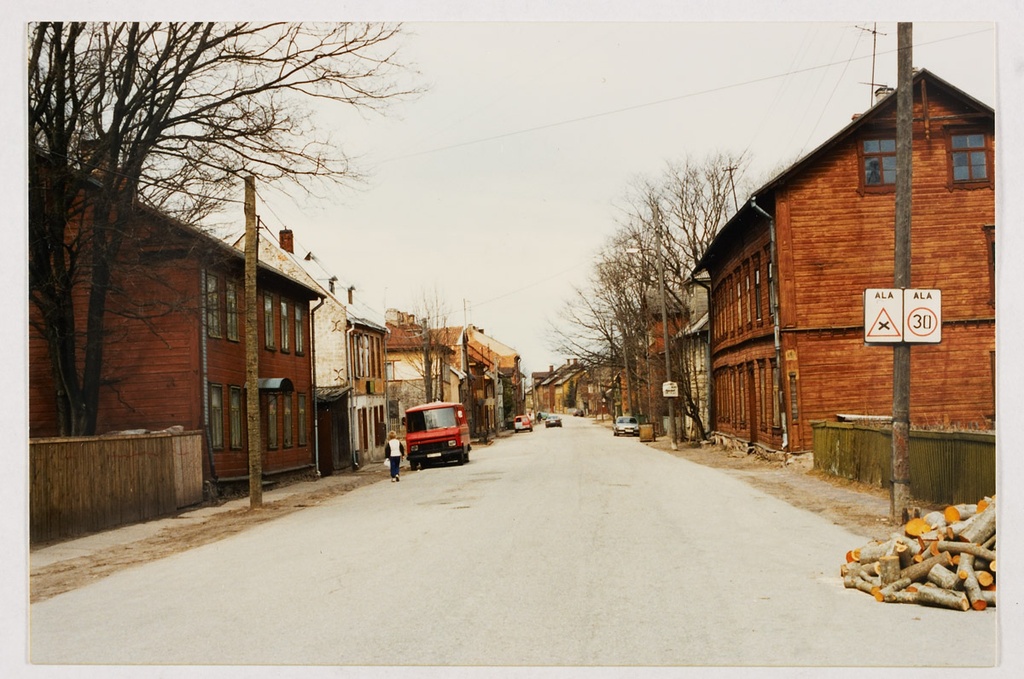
464,458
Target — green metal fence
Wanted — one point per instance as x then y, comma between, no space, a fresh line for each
946,467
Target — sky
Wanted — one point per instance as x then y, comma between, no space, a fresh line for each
494,189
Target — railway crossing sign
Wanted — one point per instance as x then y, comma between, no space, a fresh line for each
897,316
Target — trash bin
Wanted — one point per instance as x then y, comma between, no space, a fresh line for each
646,432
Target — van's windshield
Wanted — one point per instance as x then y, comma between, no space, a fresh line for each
425,420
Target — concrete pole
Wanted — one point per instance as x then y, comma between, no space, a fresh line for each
899,492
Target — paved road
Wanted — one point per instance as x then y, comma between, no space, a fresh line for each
562,547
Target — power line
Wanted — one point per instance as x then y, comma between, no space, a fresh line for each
658,102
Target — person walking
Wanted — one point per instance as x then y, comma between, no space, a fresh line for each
394,451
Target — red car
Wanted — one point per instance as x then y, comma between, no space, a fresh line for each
523,423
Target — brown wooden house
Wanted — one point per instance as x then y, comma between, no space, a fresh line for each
789,270
175,350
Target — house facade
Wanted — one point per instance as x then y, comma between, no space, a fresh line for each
405,372
174,353
789,270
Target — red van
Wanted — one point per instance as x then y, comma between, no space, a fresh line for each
436,432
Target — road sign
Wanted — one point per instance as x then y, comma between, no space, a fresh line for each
670,389
883,315
922,316
896,316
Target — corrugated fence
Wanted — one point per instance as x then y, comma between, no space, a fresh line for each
80,485
947,467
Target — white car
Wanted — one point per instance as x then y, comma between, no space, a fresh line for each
523,423
626,426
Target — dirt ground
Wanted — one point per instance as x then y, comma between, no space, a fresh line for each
860,509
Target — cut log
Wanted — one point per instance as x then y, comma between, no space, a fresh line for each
965,571
889,569
916,527
935,520
853,582
982,526
954,513
943,577
989,597
985,578
944,598
887,592
962,548
871,553
919,571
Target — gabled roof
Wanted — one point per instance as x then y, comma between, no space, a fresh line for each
216,244
765,194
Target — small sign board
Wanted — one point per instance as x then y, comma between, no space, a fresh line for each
670,389
922,316
883,316
897,316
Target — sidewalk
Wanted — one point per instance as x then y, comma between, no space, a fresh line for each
85,546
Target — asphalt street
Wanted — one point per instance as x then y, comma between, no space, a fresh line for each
558,547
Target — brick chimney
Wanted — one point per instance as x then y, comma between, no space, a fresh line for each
287,241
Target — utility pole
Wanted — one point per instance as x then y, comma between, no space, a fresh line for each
252,358
664,329
899,492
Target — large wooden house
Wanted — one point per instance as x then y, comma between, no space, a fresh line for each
789,270
174,352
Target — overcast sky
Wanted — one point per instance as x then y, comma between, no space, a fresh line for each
498,184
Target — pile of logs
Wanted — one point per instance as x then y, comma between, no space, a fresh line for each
945,559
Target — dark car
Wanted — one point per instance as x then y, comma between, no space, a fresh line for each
626,426
552,421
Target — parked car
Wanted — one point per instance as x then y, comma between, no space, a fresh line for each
578,412
523,423
553,421
626,426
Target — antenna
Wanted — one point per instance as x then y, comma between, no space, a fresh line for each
874,46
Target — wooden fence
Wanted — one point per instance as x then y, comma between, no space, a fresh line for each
947,467
80,485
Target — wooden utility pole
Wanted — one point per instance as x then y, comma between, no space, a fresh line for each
252,358
664,331
899,490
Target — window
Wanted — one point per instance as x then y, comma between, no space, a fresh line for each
969,157
990,239
879,157
231,305
286,332
287,426
268,321
757,293
212,306
271,421
794,411
749,305
216,416
235,418
300,346
776,397
300,420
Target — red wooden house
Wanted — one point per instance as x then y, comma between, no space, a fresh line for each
789,270
175,350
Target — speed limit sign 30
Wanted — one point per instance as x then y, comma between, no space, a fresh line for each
922,316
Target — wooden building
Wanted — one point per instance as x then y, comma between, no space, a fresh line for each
789,270
174,350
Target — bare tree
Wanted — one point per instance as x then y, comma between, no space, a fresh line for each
170,115
433,313
609,323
